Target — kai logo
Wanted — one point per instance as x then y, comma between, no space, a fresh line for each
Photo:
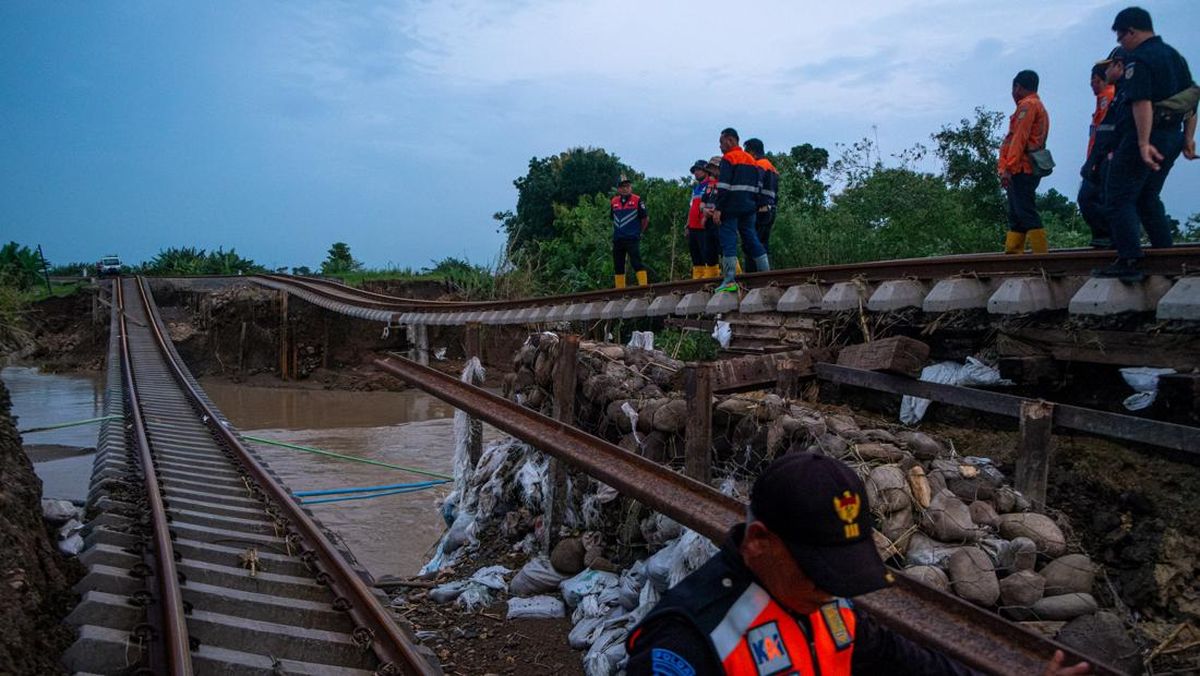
767,648
847,505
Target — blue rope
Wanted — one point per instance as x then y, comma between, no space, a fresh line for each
363,497
368,489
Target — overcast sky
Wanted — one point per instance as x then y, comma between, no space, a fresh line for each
398,127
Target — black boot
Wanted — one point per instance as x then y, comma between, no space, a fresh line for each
1124,269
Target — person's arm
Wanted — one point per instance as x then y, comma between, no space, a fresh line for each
1015,150
643,214
1143,118
670,646
1189,137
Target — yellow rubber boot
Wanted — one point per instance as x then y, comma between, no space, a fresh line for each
1037,241
738,268
711,271
697,272
641,277
619,282
1014,242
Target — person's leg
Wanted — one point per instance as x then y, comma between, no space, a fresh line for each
712,251
695,239
754,248
1014,239
619,263
1124,180
729,237
1149,205
1091,207
635,259
1024,204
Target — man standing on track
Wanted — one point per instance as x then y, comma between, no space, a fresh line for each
1156,123
765,216
738,185
630,220
1091,197
696,236
776,597
712,231
1027,131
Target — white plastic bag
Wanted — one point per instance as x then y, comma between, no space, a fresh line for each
58,511
642,340
491,577
723,333
587,582
631,413
630,586
972,373
1144,381
535,607
535,577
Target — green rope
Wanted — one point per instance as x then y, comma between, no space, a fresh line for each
59,426
331,454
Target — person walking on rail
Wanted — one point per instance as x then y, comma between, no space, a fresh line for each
630,220
696,235
738,184
765,216
1156,122
1091,197
712,231
1019,174
776,597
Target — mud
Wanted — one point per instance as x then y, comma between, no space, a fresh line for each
63,336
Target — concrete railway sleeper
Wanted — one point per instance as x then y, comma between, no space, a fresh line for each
198,560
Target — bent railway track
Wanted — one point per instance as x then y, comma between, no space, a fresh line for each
975,637
199,560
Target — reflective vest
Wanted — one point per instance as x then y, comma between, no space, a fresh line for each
770,183
1103,101
757,636
627,222
739,181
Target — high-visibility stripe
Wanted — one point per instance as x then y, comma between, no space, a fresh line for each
728,634
768,193
744,188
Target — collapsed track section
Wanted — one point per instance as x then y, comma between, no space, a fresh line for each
199,560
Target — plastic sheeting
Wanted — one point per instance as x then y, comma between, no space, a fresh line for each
1144,381
642,340
722,333
972,373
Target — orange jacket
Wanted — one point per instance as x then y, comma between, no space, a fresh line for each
1103,100
1027,130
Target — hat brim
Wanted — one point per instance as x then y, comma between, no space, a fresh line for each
843,570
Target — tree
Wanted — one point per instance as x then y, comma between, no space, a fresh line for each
19,266
558,180
969,154
339,260
800,171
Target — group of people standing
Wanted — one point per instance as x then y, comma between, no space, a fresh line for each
1145,118
733,198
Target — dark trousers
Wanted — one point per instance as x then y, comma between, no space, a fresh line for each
1022,207
1131,192
697,246
1091,206
712,243
621,247
733,225
762,226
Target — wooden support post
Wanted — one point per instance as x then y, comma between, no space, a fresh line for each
564,412
698,437
474,425
283,335
788,383
1033,453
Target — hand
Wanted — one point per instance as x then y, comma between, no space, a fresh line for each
1189,148
1150,156
1056,668
1005,179
716,217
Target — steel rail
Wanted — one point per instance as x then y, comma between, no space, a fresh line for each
1178,260
176,651
389,643
975,637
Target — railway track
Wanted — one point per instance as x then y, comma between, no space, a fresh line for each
199,561
1001,284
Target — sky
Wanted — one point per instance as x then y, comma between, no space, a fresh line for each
277,128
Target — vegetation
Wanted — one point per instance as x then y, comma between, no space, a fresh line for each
193,261
339,261
686,345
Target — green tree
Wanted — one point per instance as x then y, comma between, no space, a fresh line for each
800,171
1064,224
558,180
187,260
20,266
969,154
339,260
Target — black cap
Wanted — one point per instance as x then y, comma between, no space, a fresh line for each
818,506
624,181
1117,54
699,165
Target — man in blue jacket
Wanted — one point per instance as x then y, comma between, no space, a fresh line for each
738,185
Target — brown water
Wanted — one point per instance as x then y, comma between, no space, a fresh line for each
390,535
41,399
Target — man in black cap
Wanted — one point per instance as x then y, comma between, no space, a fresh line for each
1156,121
775,598
1105,74
697,237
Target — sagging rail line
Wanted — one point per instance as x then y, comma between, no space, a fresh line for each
975,637
199,560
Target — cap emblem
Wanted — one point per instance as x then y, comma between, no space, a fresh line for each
847,505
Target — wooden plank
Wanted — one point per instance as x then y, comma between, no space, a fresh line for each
1123,348
899,354
1033,452
564,412
698,386
1102,423
744,374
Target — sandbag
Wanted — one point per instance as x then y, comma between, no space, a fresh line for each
925,551
1019,554
536,607
921,445
537,576
1073,573
567,556
587,582
58,512
887,489
584,632
983,514
1064,607
1037,527
949,520
930,575
1022,589
630,586
972,576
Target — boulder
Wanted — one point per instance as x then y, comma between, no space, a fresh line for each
1022,589
887,489
1064,607
567,557
1019,554
930,575
1073,573
949,520
972,576
1037,527
922,445
1104,637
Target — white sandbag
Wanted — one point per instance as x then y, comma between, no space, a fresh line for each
491,577
607,651
584,632
587,582
535,577
658,566
642,340
59,511
535,607
71,545
445,593
630,587
474,597
722,333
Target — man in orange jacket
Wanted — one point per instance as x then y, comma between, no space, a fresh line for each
1027,131
1091,196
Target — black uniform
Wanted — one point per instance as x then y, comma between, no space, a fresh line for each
673,638
1154,71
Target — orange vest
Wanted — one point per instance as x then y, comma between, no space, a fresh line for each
757,636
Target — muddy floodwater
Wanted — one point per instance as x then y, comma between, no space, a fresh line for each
390,535
62,458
